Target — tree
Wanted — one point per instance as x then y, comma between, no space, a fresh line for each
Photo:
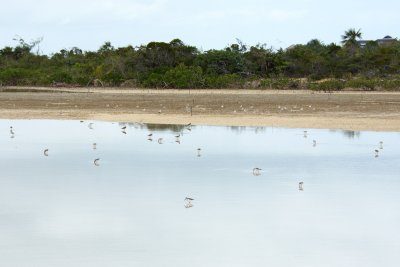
350,37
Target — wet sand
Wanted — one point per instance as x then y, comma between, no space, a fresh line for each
375,111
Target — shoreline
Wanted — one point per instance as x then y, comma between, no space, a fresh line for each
307,122
356,111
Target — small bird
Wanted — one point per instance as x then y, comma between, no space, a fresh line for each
90,125
96,162
123,128
150,134
189,124
198,152
177,136
376,153
123,131
256,171
46,152
301,186
314,143
305,134
11,130
381,145
150,139
160,141
94,146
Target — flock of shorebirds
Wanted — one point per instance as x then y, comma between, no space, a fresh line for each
188,200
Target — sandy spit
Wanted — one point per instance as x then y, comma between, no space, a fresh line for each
369,111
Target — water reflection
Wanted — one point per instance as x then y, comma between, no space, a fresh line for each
349,134
312,205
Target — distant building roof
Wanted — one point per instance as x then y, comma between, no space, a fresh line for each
387,40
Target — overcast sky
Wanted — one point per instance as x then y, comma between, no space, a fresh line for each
206,24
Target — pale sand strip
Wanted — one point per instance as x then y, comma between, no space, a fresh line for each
383,123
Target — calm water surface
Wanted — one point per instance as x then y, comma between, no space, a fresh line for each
62,210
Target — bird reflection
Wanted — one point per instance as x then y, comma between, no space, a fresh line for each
257,171
188,202
301,186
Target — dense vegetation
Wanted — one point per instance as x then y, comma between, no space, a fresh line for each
177,65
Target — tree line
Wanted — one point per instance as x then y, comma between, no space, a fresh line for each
175,64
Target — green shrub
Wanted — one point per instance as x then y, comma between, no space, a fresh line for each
391,84
60,76
224,81
154,80
328,85
15,76
184,77
360,83
281,83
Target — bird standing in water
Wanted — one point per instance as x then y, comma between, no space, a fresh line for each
301,186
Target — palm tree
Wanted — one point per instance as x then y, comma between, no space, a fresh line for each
350,37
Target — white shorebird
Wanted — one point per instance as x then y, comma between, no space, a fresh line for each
381,145
11,130
94,146
256,171
305,134
96,162
301,186
198,152
376,153
46,152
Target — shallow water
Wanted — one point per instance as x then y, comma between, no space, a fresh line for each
62,210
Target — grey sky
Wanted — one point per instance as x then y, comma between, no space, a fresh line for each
205,24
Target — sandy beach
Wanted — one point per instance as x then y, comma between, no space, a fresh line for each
348,110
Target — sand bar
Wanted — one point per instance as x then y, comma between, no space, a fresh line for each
349,110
